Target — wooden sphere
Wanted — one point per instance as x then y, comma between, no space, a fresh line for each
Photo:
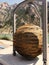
28,41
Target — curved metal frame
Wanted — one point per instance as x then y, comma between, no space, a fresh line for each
26,2
44,26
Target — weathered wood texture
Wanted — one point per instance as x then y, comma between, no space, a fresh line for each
28,41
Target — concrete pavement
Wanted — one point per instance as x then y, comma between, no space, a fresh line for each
7,58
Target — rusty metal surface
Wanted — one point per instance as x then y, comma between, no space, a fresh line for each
28,41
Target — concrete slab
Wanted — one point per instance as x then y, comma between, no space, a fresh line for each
7,58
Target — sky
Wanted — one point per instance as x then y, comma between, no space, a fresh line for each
12,1
47,0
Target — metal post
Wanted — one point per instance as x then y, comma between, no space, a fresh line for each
40,22
44,26
14,30
14,23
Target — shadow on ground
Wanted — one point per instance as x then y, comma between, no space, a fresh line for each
18,60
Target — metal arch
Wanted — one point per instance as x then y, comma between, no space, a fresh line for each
26,2
19,5
44,24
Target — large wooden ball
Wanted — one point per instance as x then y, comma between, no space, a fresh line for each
28,41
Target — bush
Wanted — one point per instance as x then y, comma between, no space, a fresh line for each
6,37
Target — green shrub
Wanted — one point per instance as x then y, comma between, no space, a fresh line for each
6,37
